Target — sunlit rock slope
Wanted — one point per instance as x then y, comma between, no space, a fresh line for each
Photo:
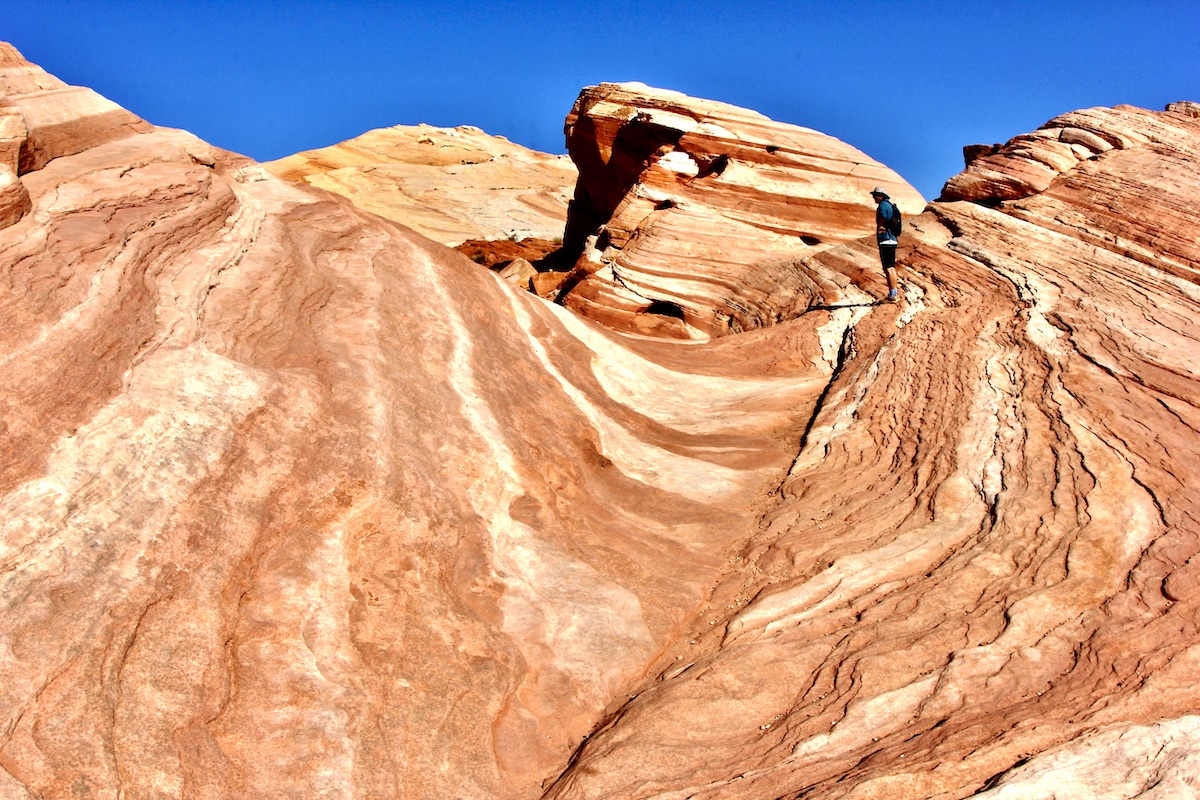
980,574
297,503
691,218
451,184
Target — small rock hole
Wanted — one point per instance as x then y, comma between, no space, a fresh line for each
664,308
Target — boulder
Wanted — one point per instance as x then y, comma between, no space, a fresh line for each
517,272
547,285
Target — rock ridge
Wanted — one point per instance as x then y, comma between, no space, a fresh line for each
450,184
706,210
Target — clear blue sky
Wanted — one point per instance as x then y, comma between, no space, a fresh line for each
910,83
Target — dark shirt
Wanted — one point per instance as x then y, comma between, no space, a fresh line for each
883,219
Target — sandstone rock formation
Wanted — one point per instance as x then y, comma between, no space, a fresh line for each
42,118
980,575
707,210
299,504
451,184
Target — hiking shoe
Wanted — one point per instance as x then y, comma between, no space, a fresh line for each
893,296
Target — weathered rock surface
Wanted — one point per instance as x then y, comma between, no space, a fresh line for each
58,119
451,184
707,208
42,118
1028,164
518,272
497,253
299,504
981,572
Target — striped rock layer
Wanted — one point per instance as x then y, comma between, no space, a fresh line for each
297,503
42,118
705,210
450,184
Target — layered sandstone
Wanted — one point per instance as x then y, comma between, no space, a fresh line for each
707,210
55,119
42,118
300,504
1030,163
451,184
980,577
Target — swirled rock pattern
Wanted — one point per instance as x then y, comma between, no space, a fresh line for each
981,574
299,504
1028,164
451,184
296,502
707,208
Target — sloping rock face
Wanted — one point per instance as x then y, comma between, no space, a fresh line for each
707,209
1029,164
451,184
42,118
981,575
299,504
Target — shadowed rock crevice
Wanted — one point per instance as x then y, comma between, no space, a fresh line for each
664,308
609,170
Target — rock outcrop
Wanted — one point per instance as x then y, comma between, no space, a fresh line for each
451,184
706,211
297,503
980,577
42,118
55,119
1030,163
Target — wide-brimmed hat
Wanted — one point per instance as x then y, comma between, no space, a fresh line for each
880,192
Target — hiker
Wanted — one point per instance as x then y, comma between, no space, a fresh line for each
887,229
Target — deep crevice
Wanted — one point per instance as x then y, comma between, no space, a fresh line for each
844,352
664,308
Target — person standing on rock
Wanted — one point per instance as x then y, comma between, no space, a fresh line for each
887,232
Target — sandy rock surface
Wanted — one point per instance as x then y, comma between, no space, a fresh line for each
299,504
42,118
980,574
707,209
451,184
